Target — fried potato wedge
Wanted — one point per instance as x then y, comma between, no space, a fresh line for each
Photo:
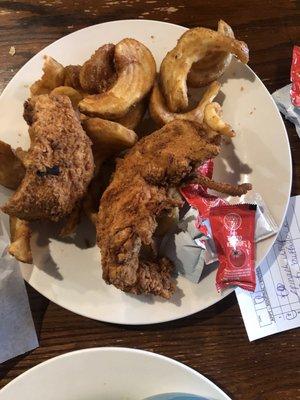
108,137
72,93
134,115
54,75
212,117
12,170
98,73
20,234
192,47
72,76
161,115
213,65
136,71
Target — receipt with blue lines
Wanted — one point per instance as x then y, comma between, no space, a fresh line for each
275,305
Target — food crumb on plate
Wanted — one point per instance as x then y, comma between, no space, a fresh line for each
242,88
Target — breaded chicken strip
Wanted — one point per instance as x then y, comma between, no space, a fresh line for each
59,164
138,193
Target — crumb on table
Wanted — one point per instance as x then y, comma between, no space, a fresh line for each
12,50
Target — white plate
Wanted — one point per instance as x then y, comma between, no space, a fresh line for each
71,276
111,374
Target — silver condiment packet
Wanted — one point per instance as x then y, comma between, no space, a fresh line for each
282,99
180,247
210,253
265,225
187,223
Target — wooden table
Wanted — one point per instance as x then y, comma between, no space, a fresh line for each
214,341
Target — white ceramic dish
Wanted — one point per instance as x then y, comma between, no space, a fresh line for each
69,274
111,374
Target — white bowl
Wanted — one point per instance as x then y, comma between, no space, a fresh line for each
108,374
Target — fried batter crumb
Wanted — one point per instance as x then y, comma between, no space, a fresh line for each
12,50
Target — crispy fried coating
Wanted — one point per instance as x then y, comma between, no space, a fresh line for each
222,187
98,73
59,163
137,195
72,76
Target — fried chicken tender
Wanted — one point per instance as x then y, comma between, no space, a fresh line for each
137,195
59,163
227,188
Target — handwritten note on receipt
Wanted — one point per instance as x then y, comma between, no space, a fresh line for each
275,305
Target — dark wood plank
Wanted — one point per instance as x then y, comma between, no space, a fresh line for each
214,341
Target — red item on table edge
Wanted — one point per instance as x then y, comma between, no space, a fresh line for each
233,229
295,77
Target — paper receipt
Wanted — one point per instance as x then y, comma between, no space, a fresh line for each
275,305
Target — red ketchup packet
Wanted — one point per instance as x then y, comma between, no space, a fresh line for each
295,77
196,195
233,229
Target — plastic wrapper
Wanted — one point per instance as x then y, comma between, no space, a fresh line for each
233,233
265,225
206,241
197,196
180,247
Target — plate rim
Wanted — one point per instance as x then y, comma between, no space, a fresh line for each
113,349
227,291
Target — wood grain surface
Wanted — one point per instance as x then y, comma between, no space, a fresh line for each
213,342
